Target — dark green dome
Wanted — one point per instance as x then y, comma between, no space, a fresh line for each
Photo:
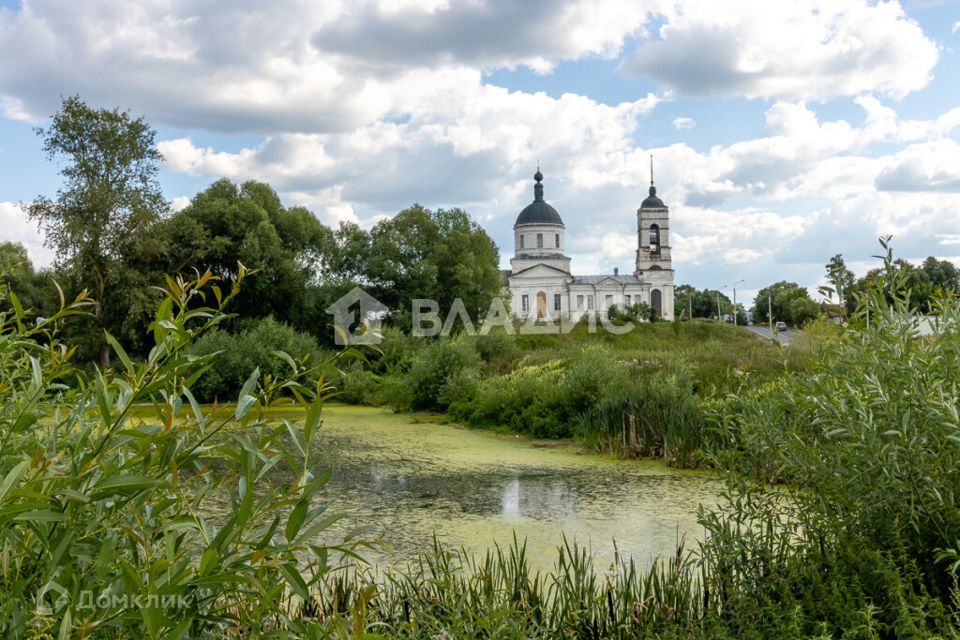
652,201
538,211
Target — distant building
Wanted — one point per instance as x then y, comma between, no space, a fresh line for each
542,285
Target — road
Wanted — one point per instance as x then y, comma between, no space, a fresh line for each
763,330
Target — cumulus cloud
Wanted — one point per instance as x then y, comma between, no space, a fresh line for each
812,49
178,203
683,123
926,167
217,66
466,151
289,66
498,33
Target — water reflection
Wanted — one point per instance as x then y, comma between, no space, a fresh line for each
473,489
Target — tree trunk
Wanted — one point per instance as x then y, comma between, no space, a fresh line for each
98,316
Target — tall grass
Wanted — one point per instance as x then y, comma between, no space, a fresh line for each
451,594
650,418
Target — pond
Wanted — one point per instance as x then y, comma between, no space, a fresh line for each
411,480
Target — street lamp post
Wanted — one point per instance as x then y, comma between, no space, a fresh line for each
735,301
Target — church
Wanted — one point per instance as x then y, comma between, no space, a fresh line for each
542,286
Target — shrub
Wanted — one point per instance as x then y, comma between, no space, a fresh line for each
498,350
393,391
104,487
868,445
639,312
436,367
395,352
354,384
254,346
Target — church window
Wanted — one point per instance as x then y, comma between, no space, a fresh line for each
590,302
521,241
579,303
525,303
654,238
556,302
627,300
557,238
609,301
539,241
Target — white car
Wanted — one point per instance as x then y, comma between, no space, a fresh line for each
781,326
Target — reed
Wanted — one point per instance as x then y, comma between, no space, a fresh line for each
651,418
452,594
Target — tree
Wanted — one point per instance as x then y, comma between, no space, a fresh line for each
35,290
703,303
110,196
802,310
923,282
349,261
943,274
290,249
440,255
780,295
842,282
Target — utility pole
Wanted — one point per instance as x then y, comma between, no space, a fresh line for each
735,301
690,307
770,311
719,319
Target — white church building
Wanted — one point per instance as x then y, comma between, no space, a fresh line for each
542,286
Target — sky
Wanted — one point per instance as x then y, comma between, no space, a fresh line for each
782,133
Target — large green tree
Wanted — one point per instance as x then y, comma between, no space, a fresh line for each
290,249
440,255
109,198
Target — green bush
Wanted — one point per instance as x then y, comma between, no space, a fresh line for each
867,444
354,384
395,352
254,346
498,350
543,400
437,368
639,312
392,391
105,488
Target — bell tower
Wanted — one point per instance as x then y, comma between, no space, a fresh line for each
654,265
